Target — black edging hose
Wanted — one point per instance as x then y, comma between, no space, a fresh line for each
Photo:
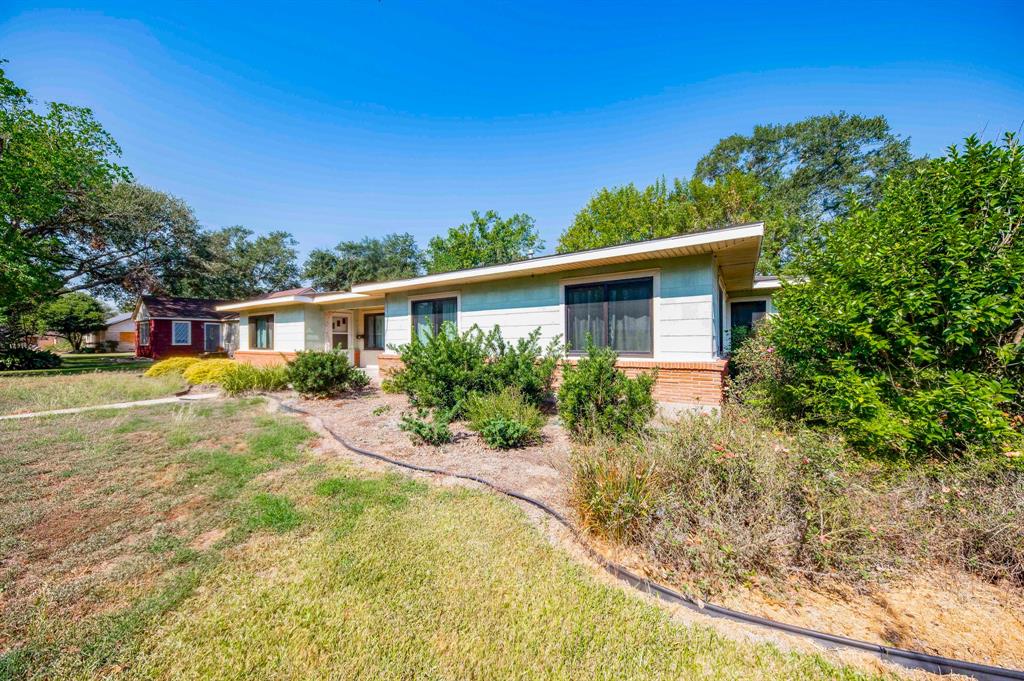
905,658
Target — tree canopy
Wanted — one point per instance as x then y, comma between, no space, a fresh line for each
72,317
487,239
908,333
793,177
394,256
234,263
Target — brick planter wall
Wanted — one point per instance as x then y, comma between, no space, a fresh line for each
689,383
263,358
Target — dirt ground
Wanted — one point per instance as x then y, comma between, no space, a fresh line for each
955,615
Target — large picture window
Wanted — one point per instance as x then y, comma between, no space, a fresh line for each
429,315
261,332
615,314
373,327
181,333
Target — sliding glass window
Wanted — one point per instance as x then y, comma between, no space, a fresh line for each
615,314
429,315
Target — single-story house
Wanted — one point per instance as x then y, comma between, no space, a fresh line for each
170,327
668,303
120,330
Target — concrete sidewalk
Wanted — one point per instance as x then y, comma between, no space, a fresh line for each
116,405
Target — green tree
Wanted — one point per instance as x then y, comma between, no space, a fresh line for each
69,213
72,317
230,264
485,240
624,214
395,256
809,168
909,331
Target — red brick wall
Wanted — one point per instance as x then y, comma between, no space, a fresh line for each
263,358
690,383
160,345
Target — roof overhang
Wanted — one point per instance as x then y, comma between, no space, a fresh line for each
736,248
284,301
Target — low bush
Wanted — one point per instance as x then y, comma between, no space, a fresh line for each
208,371
728,499
597,400
176,365
324,374
244,378
444,369
421,431
21,359
504,420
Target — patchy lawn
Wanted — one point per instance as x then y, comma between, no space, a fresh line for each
209,541
78,364
20,394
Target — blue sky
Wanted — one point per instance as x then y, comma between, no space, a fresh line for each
346,119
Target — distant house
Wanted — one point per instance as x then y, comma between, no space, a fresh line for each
670,304
170,327
120,330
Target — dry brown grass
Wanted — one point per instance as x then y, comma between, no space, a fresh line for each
720,501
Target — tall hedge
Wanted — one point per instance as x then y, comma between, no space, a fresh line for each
907,331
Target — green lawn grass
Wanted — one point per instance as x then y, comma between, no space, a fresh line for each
76,364
20,394
208,542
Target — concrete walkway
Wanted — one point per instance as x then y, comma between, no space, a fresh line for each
116,405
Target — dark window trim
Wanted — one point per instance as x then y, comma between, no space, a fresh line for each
252,331
605,283
435,312
368,331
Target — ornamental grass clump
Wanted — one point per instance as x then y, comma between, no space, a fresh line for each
176,365
246,378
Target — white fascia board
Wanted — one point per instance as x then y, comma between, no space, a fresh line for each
341,297
263,302
580,259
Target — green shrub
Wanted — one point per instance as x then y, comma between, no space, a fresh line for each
421,431
175,365
597,400
443,370
208,371
243,378
19,359
908,332
324,374
504,420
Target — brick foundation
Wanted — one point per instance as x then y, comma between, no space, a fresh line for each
689,383
263,358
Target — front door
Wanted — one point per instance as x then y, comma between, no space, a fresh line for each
341,326
211,341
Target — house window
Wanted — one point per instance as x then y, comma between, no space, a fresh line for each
373,328
211,337
615,314
429,315
743,317
261,332
181,333
144,333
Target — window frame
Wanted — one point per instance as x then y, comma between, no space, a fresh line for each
367,330
435,297
251,328
143,325
605,282
174,335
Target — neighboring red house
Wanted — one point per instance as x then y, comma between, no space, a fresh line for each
172,327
